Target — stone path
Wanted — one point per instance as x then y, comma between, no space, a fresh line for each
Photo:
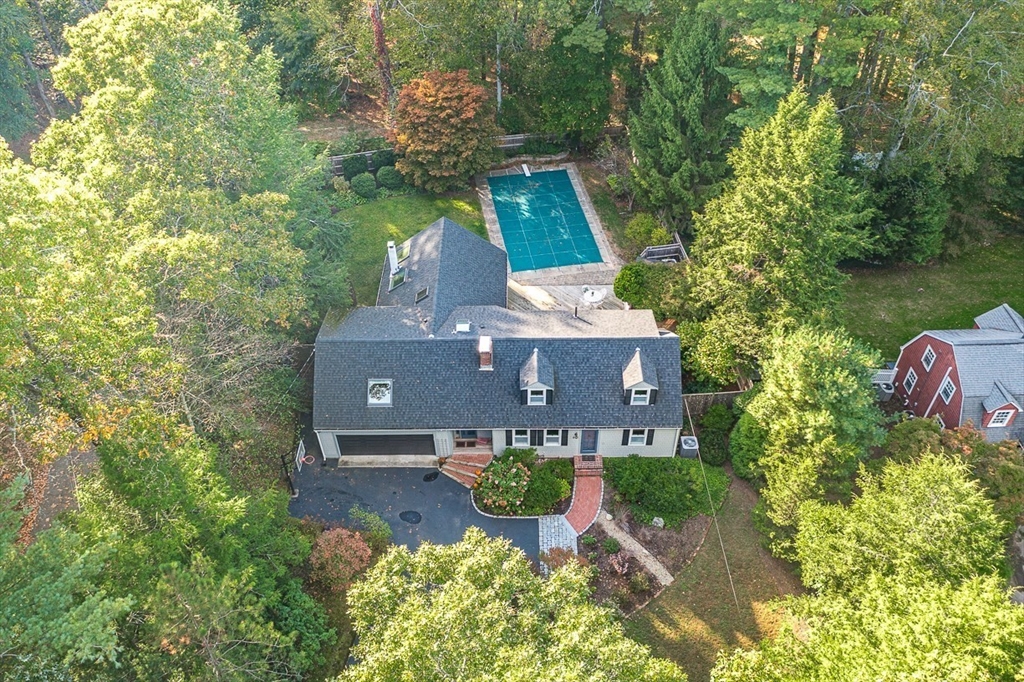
629,543
555,531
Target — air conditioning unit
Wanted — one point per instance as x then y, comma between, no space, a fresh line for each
884,391
688,447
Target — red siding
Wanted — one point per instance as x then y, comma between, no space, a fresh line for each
987,417
928,382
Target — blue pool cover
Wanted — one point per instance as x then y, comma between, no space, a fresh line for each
541,221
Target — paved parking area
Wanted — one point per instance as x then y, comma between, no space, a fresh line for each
328,493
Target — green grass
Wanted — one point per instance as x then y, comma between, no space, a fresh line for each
399,218
604,204
887,307
696,617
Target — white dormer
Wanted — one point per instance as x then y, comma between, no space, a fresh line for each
536,380
639,381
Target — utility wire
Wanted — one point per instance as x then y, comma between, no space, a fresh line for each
714,514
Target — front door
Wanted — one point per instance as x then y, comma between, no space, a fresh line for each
588,442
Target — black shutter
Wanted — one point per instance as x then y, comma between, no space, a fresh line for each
565,437
536,437
508,438
650,436
625,436
523,397
549,397
625,399
653,396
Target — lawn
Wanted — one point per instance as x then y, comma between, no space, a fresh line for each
399,218
889,306
696,617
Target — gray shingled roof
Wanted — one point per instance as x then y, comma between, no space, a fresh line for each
1002,317
457,268
537,370
998,397
639,370
437,384
500,322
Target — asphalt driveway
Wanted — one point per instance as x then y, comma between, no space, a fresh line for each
444,508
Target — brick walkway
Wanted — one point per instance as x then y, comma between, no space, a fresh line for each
588,489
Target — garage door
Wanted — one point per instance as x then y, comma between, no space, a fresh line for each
377,446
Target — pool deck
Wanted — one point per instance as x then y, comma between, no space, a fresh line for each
588,273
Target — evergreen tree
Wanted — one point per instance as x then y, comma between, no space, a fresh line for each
15,42
678,137
767,248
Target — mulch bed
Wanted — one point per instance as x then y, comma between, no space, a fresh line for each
616,583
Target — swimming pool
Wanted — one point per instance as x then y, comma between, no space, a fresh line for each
541,221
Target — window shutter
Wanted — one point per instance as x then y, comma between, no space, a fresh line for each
626,396
652,396
508,438
650,436
536,437
523,397
549,397
565,437
625,436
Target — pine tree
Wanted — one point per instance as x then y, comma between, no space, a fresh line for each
678,137
767,248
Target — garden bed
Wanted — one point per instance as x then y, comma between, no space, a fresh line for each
517,483
621,580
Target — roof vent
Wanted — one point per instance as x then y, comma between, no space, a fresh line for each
462,326
485,348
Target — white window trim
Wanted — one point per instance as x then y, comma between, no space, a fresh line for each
941,421
552,440
633,437
640,396
1006,414
942,394
924,359
537,393
370,402
910,373
520,438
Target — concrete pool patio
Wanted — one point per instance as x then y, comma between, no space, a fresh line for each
602,272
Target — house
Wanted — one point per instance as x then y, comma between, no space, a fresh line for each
962,375
440,365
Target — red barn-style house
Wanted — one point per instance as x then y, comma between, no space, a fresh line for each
975,375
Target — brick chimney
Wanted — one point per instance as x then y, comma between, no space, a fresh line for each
485,348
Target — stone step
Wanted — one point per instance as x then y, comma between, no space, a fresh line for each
473,470
464,479
480,460
589,472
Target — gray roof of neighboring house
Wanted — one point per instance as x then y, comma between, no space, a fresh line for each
1002,317
998,397
639,370
537,370
454,265
437,381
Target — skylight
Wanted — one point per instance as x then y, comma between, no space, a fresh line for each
403,251
422,294
397,279
462,325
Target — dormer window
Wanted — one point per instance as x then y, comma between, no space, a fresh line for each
536,380
928,359
1000,418
378,393
538,396
640,396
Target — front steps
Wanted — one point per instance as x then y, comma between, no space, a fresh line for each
465,468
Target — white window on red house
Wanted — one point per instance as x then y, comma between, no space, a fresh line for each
910,380
941,421
947,390
928,359
1000,418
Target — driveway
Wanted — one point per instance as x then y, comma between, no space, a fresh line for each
327,492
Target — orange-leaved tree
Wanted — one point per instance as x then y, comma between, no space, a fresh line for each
445,128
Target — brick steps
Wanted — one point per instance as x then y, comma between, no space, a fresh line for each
481,460
465,468
464,479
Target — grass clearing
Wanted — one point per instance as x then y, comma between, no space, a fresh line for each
399,218
696,617
887,307
596,184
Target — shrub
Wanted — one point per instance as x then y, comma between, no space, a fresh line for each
908,439
338,556
562,468
383,158
374,528
537,146
588,541
365,186
502,486
390,178
639,582
645,230
352,166
715,425
545,490
719,418
660,288
746,445
524,456
560,556
341,185
610,545
672,488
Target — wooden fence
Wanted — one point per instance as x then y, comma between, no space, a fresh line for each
700,403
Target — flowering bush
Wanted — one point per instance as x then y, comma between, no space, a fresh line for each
338,556
502,486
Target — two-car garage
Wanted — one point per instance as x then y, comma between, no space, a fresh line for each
391,445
